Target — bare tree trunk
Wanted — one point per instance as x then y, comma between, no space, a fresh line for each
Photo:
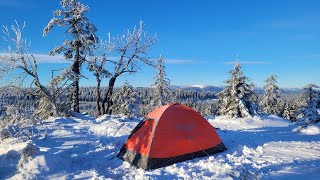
75,84
108,97
98,96
75,87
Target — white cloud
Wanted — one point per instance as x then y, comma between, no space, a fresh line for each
45,58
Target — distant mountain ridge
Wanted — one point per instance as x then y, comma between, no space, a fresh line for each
217,89
199,88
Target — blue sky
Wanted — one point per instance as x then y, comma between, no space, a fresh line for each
199,39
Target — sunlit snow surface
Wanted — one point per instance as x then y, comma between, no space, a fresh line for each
265,147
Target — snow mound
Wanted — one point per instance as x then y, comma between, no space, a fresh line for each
277,155
114,126
224,122
14,154
309,130
30,150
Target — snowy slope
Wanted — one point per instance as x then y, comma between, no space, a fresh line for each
83,147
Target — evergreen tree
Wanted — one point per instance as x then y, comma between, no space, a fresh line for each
162,91
290,110
45,109
237,98
272,102
125,100
82,38
145,108
309,111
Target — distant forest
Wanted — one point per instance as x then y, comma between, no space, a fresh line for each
203,100
27,103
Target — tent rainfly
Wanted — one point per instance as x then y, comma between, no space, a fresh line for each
170,134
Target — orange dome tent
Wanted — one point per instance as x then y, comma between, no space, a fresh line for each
170,134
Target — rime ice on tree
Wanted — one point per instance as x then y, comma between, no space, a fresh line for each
25,65
131,50
82,38
237,98
161,85
271,102
124,101
309,111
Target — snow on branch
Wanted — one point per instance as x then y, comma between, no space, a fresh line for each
25,65
132,48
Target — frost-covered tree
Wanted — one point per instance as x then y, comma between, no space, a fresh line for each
237,98
204,108
131,50
290,110
124,101
12,112
162,91
145,108
272,99
309,111
45,109
79,40
96,64
18,60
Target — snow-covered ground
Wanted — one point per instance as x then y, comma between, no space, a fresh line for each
264,147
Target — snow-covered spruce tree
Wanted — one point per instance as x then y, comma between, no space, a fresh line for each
81,39
45,109
237,98
131,50
309,111
145,108
124,101
272,99
161,86
289,110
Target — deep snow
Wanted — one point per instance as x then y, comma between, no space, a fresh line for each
266,147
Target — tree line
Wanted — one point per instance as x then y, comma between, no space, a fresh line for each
238,99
